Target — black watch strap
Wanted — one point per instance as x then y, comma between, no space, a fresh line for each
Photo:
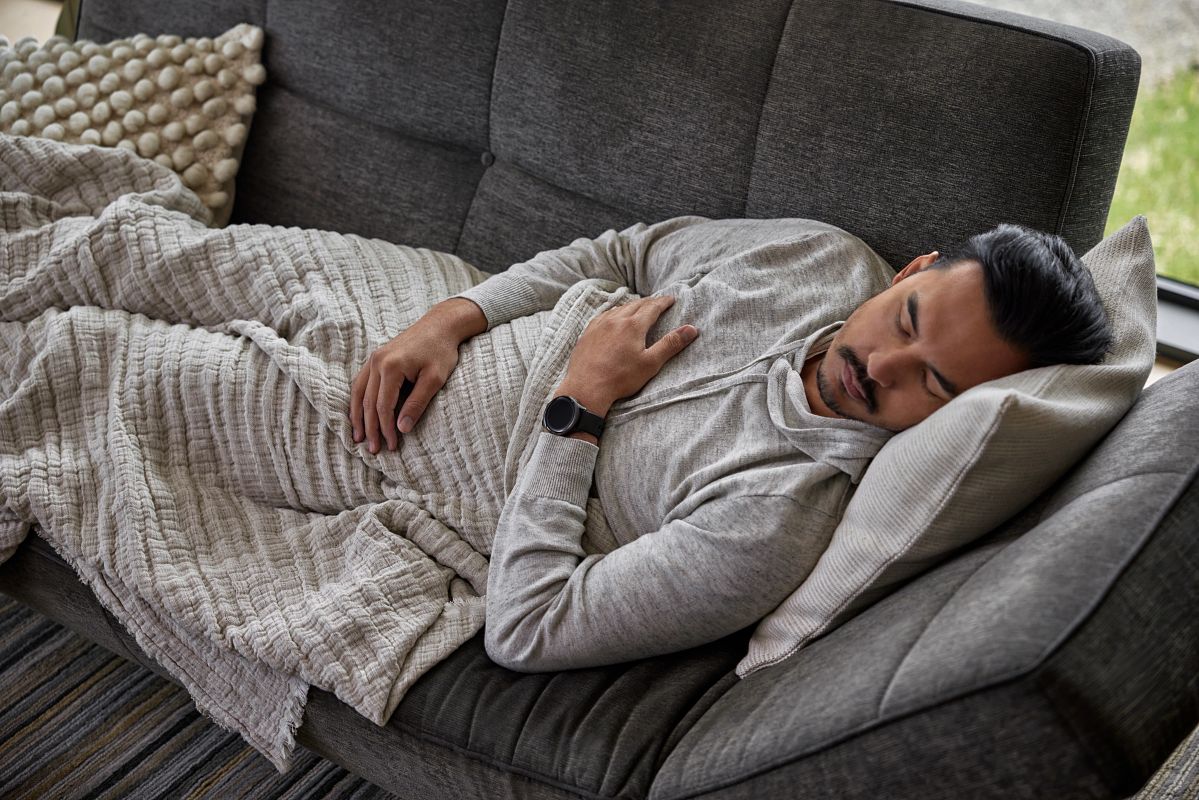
590,423
564,415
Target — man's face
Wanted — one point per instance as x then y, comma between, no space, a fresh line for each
909,350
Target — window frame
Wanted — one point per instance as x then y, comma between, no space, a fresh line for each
1177,320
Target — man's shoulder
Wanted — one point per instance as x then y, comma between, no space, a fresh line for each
794,236
773,227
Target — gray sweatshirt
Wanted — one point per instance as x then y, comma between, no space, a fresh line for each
720,486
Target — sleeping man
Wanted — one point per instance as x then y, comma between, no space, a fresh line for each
721,419
186,417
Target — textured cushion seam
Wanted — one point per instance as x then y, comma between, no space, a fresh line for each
753,156
78,19
866,727
623,213
878,710
954,594
1092,62
493,762
495,62
375,126
1012,675
1189,477
1080,137
1040,664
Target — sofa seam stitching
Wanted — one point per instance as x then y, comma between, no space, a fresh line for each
882,702
1189,477
753,156
1055,643
1092,68
1080,137
1011,676
1041,664
495,63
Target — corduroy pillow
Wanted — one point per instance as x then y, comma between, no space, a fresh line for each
975,462
186,103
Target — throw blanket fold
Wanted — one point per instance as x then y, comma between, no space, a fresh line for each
174,418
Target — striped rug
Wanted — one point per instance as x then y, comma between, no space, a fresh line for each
1178,778
77,721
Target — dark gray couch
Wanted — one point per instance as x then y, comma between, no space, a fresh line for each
494,130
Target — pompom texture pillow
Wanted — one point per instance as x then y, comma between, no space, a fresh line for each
186,103
975,462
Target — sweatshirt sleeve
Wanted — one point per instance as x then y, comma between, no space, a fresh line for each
626,257
693,581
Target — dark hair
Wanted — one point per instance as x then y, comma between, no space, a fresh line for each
1042,299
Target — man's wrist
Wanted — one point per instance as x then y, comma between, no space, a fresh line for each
589,397
466,316
594,401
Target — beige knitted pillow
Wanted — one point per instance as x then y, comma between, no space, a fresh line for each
186,103
975,462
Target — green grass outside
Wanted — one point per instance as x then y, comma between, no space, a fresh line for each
1159,176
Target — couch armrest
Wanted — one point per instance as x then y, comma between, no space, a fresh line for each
1060,648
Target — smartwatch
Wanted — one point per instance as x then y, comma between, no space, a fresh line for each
564,415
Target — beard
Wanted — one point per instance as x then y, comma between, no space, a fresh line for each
826,390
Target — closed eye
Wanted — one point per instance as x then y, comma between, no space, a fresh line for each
906,335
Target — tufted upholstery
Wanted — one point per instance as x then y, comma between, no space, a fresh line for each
496,129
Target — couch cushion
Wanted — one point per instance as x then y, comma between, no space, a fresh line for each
919,122
639,106
995,612
514,215
326,192
488,732
421,69
651,111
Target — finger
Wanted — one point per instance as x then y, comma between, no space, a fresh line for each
357,388
647,313
370,420
673,343
655,305
427,384
385,406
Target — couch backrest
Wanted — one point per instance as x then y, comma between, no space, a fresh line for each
497,129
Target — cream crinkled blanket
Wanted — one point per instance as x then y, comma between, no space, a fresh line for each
174,418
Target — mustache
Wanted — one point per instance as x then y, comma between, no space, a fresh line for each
859,373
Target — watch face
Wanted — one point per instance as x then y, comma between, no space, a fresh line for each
561,414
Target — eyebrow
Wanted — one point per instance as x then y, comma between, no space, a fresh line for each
946,384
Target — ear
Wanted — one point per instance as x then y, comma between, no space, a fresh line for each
916,265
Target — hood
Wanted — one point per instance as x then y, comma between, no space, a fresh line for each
846,444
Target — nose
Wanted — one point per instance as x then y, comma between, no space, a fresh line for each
889,364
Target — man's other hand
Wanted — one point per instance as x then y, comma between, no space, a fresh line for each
421,358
